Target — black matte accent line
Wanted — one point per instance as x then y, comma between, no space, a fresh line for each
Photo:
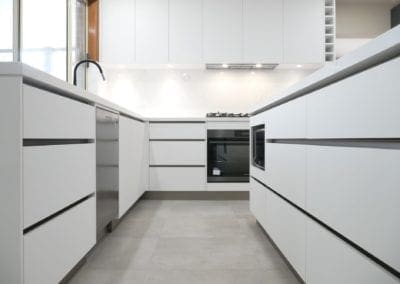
379,143
48,142
177,121
177,166
375,259
54,215
178,140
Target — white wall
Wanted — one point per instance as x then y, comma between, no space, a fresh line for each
359,21
190,92
362,19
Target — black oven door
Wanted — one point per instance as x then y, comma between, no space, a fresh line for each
228,156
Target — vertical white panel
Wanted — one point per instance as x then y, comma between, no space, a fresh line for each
303,31
263,31
117,31
185,31
152,31
11,180
222,31
131,158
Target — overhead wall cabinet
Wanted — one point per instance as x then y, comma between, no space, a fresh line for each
212,31
263,31
185,31
151,31
117,31
222,31
303,31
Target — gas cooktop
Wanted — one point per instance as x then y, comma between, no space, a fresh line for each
227,114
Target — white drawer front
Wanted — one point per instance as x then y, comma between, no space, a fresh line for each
56,176
356,191
365,105
287,120
287,227
332,261
285,170
179,178
258,202
51,250
177,131
177,152
48,115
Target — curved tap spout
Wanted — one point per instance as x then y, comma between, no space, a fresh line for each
88,61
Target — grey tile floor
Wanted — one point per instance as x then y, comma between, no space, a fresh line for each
191,242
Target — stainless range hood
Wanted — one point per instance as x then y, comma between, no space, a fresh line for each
241,66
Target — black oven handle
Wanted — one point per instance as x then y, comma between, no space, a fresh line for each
243,142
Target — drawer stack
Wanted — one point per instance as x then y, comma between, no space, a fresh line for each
331,179
59,182
177,156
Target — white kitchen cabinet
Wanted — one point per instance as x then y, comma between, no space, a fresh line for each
50,116
303,31
117,31
185,31
56,176
177,178
285,171
151,31
287,120
133,164
222,31
52,249
177,130
287,227
331,261
356,192
178,153
263,31
258,202
365,105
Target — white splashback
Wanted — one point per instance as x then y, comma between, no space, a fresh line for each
190,92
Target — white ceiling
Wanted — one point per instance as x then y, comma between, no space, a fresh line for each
394,2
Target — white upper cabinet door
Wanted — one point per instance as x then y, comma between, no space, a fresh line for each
263,31
222,31
303,31
117,31
185,32
151,31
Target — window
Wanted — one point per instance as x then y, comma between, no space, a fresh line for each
6,30
44,35
77,38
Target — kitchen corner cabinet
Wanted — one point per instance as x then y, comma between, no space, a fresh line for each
303,31
222,31
151,31
185,31
133,157
117,31
263,31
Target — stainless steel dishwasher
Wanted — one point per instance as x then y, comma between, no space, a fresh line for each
107,174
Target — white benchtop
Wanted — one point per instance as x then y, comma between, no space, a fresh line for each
199,119
48,82
378,50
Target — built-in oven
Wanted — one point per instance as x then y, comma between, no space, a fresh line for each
228,155
258,146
